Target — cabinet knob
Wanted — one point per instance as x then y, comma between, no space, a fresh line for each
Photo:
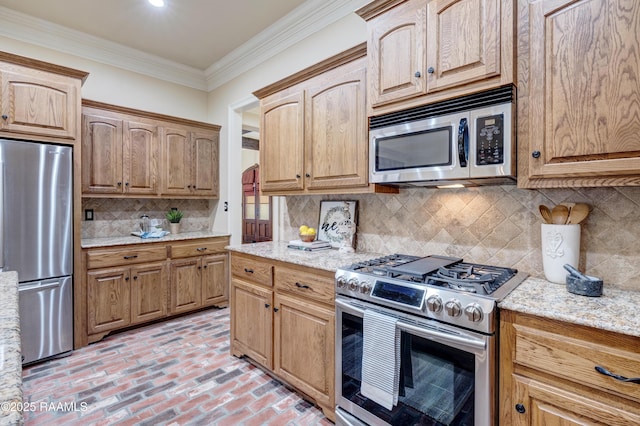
307,175
119,183
431,70
126,184
266,305
275,309
520,408
418,74
5,117
297,176
535,154
205,266
135,277
126,278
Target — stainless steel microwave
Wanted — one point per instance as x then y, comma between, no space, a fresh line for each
468,141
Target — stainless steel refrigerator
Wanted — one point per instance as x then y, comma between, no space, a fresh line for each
36,240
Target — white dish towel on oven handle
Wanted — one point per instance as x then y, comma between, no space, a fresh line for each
380,358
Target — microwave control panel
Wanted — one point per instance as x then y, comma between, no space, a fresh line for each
490,140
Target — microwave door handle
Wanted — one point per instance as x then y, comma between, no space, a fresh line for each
463,142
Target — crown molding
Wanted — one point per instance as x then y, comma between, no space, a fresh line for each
310,17
29,29
305,20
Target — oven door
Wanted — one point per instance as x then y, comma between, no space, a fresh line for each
447,374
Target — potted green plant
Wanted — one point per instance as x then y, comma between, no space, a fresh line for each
174,216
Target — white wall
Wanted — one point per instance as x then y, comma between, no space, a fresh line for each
342,35
120,87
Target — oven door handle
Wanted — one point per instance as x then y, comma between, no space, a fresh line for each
461,342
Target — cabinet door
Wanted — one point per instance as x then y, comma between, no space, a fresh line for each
101,155
148,292
282,150
39,103
176,161
140,151
463,42
215,280
205,164
583,88
538,404
304,347
108,299
396,49
336,143
251,322
185,285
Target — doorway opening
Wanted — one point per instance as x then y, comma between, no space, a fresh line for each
257,211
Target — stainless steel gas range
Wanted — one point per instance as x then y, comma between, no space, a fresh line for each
416,340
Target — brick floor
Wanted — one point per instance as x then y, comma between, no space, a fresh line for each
178,372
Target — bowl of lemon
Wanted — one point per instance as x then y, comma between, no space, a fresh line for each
307,234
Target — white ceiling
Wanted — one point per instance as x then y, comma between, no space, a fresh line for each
199,43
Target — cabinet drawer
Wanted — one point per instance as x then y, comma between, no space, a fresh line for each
125,256
576,359
305,284
252,270
198,248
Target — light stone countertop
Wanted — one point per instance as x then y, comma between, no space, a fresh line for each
132,239
10,351
329,260
615,310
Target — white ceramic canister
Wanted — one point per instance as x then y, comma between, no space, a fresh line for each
560,245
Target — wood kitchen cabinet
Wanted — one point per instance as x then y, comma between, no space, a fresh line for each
133,284
190,163
119,155
282,317
548,374
578,95
130,153
199,275
124,287
424,51
314,130
38,101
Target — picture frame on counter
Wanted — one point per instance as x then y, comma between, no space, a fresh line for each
338,222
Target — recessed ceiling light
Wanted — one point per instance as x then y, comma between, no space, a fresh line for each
157,3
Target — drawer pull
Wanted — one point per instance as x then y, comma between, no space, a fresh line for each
301,285
201,248
606,372
248,271
131,257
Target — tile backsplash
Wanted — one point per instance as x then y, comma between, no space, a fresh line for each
119,217
496,225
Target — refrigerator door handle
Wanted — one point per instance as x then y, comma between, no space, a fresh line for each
1,216
43,285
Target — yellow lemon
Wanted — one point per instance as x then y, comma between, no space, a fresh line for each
304,229
311,231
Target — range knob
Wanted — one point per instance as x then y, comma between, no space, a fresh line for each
473,312
453,308
365,287
353,284
434,303
341,282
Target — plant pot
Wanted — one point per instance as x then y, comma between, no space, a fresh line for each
174,228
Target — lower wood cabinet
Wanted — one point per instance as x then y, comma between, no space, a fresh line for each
548,374
138,283
283,318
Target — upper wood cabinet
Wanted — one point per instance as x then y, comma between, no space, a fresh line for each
423,51
579,93
38,101
119,156
190,163
135,153
314,130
